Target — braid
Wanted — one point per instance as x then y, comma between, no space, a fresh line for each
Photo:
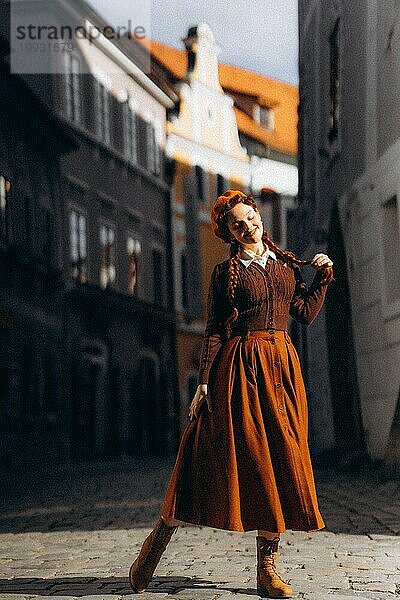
291,257
233,277
233,272
285,254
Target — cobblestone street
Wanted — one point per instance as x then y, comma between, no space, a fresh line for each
74,534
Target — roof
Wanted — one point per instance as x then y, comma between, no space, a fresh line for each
281,96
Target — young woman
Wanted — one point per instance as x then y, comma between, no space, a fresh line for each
243,462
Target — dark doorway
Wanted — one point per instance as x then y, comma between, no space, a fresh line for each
90,402
349,434
146,411
83,412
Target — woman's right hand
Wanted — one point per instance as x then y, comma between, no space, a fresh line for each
200,396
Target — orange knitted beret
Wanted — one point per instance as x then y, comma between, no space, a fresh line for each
218,213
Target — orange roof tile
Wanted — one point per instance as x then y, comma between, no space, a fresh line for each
281,96
278,139
172,58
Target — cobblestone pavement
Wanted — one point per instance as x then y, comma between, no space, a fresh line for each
74,534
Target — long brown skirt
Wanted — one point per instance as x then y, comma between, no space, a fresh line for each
246,465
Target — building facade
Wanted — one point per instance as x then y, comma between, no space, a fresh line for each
348,152
115,382
32,419
232,129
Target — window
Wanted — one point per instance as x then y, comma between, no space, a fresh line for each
267,119
334,95
158,277
130,132
134,249
396,10
264,116
391,248
5,197
77,236
72,87
153,150
107,256
102,112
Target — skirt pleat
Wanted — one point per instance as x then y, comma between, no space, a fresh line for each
246,465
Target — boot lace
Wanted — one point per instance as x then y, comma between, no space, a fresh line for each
269,548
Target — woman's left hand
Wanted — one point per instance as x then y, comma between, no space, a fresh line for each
321,261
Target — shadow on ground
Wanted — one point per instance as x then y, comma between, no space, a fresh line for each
128,494
88,586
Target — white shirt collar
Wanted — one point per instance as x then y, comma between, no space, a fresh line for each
247,256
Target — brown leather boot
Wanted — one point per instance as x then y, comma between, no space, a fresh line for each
269,582
142,569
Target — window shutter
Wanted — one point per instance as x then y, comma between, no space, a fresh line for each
153,158
142,141
116,123
88,107
129,132
72,92
157,159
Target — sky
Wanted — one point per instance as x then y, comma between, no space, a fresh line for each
261,35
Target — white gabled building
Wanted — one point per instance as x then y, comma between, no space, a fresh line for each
232,129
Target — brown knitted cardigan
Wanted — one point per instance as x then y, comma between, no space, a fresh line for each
264,299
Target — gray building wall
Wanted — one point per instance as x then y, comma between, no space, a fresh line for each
348,208
388,72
